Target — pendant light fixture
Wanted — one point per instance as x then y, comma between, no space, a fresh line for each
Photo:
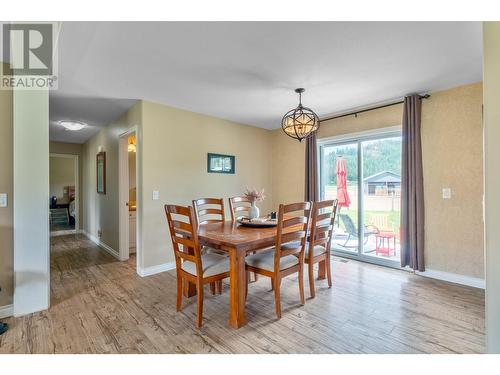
299,123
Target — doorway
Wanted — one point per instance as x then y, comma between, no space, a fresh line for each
128,195
368,221
63,194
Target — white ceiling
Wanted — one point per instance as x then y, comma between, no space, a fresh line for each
247,71
96,112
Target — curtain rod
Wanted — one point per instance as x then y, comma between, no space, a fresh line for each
355,113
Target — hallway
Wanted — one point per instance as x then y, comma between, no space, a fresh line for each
100,305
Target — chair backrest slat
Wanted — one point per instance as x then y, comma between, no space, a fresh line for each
184,241
209,210
293,221
322,222
187,257
287,238
182,226
239,207
324,216
297,220
183,232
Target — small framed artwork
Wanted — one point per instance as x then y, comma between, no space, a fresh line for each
217,163
101,172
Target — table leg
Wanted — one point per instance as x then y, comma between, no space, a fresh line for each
189,289
237,316
322,270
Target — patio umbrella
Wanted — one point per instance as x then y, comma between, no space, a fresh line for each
342,194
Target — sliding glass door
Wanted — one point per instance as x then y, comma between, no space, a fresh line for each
364,174
332,156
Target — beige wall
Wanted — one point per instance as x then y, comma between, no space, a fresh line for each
288,165
6,214
175,144
100,211
72,149
491,71
61,175
452,149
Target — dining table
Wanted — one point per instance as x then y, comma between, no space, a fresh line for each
238,241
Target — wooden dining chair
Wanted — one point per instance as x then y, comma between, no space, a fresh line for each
288,255
190,264
210,210
320,239
239,207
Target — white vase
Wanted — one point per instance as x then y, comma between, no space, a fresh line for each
253,211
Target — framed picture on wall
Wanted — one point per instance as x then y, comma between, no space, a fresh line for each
218,163
101,172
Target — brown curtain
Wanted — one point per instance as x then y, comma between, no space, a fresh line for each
311,188
412,187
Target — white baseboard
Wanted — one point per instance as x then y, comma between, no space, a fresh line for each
454,278
6,311
102,245
63,232
148,271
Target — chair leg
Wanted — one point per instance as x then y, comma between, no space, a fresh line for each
179,293
310,273
329,270
277,296
213,288
272,284
218,288
199,297
301,284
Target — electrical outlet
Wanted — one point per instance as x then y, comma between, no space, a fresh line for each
3,200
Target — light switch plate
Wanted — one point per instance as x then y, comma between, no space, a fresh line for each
3,200
446,193
156,195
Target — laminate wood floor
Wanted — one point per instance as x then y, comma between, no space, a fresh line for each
100,305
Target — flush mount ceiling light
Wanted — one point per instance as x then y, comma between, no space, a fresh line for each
72,125
299,123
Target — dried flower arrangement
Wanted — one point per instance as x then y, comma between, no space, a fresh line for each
254,195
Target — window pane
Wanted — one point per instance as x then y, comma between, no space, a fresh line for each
345,189
382,197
